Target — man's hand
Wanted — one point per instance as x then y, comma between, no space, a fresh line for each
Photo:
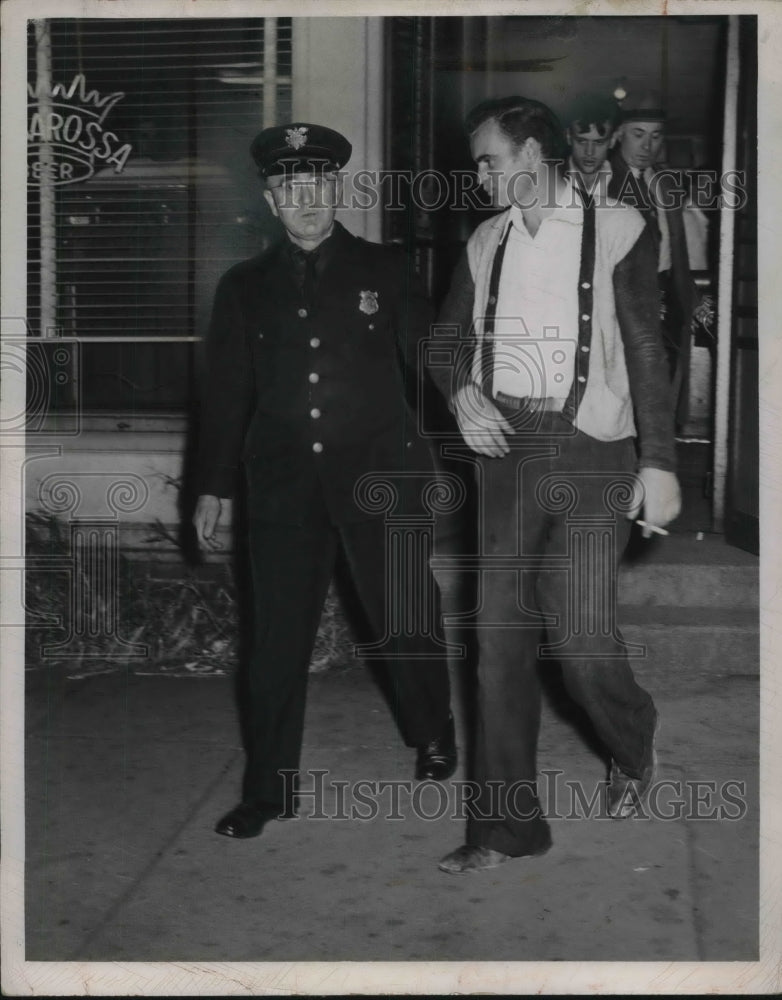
482,425
208,514
657,492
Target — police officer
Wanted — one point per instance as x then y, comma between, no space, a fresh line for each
307,357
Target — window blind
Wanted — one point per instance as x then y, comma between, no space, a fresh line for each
151,192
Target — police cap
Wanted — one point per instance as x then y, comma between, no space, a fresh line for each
299,146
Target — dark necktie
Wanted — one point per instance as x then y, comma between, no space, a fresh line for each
305,264
648,209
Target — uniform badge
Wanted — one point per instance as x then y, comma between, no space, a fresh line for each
296,137
368,302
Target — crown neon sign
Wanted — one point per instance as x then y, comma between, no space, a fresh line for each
70,122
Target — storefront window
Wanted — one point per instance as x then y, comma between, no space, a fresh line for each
141,192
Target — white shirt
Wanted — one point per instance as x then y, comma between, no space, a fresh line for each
536,324
605,410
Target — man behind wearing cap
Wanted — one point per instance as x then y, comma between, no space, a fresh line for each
562,364
306,389
590,131
638,180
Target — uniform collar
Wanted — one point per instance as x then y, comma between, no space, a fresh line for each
323,252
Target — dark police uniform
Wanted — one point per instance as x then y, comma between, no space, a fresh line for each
307,360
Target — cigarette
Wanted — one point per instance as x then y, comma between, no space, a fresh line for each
651,527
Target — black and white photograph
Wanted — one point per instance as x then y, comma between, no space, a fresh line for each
389,607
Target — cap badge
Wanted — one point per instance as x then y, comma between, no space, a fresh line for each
368,302
296,137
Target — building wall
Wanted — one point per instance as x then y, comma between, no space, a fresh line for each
338,81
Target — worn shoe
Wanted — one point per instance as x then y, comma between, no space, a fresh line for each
246,820
472,859
626,795
468,858
437,759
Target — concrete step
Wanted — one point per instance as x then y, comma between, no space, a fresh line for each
684,643
690,586
692,640
682,570
663,586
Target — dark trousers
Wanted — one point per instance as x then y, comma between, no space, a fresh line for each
292,567
549,498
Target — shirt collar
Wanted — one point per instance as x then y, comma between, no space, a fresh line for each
568,208
604,168
648,173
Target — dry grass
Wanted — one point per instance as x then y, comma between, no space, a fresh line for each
190,622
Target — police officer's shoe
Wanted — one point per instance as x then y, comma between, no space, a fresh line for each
246,820
437,759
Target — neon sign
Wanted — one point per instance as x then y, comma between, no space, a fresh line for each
70,122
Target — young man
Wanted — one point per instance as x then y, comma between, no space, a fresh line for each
305,390
563,366
590,132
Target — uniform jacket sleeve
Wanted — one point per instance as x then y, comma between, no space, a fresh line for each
413,314
637,310
456,314
227,387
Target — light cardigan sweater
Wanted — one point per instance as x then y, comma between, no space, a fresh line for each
625,369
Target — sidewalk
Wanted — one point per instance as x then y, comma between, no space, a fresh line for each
127,775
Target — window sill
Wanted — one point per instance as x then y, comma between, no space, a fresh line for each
109,423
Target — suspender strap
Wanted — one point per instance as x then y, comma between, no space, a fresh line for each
487,341
585,301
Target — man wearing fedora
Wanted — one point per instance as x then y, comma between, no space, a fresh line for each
309,352
638,179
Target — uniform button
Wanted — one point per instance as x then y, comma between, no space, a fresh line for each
303,313
315,342
317,447
492,300
582,378
585,349
585,317
314,377
409,444
315,413
585,284
371,326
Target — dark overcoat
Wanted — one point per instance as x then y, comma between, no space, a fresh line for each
681,278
